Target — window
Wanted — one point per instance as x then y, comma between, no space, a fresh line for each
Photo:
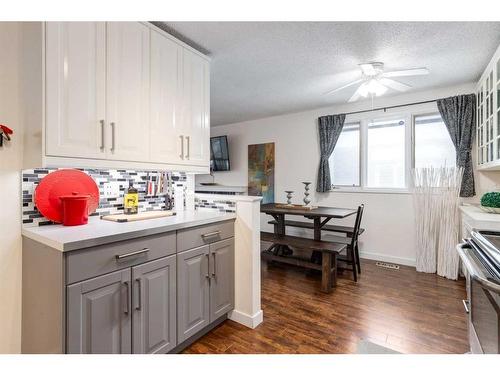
378,153
386,154
344,162
433,145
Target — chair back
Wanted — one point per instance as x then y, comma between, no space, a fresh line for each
357,225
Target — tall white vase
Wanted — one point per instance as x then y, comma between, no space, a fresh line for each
436,200
426,224
448,259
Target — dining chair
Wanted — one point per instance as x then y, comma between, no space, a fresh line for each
352,256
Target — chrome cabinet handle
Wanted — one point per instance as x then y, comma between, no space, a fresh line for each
102,135
466,305
127,301
215,265
182,147
112,137
216,233
208,267
188,141
139,294
135,253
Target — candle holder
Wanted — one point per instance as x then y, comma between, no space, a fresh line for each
289,197
307,200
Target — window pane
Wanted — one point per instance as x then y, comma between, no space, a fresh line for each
344,162
386,154
433,145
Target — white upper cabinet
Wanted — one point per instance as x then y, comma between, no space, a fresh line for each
165,100
114,95
128,90
196,108
488,116
75,89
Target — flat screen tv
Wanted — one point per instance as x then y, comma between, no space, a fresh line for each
219,154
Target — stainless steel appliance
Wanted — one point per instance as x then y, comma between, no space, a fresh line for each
480,255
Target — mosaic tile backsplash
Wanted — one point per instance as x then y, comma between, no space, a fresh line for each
31,178
215,204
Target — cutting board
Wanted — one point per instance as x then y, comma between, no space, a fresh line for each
122,218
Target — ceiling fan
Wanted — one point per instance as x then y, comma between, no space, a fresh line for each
376,82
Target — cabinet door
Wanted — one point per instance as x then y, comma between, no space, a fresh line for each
222,282
75,89
192,292
128,90
165,100
154,306
98,315
196,104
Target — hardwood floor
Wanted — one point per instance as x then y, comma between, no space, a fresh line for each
401,309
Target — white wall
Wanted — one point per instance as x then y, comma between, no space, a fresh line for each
10,187
388,218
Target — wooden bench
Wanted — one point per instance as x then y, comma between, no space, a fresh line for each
329,252
330,228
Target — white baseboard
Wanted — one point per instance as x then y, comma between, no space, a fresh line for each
245,319
388,258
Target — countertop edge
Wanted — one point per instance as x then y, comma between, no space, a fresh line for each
43,240
227,197
82,244
477,214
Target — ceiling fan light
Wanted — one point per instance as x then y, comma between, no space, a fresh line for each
373,87
372,69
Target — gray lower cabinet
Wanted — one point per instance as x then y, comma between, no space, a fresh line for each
142,295
205,286
222,278
103,311
193,290
99,316
154,306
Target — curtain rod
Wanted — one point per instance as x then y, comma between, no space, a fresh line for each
389,107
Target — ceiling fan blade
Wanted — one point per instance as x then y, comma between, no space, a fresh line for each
395,85
407,72
343,87
356,95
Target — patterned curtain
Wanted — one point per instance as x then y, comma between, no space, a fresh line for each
458,115
329,128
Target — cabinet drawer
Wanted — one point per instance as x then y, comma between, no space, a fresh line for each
95,261
202,235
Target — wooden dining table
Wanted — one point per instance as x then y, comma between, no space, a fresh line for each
280,251
320,216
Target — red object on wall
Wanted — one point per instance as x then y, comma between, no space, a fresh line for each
64,183
75,209
6,129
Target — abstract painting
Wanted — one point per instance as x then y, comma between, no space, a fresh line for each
261,171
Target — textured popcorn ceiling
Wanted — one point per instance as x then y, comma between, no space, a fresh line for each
263,69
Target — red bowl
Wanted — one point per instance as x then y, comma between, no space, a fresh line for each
63,183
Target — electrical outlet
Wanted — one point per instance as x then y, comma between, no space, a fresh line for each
111,190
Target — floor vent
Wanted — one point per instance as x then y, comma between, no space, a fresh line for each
387,265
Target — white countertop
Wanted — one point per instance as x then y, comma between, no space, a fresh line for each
477,214
99,232
227,197
223,188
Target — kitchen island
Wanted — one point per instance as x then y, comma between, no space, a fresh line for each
150,286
